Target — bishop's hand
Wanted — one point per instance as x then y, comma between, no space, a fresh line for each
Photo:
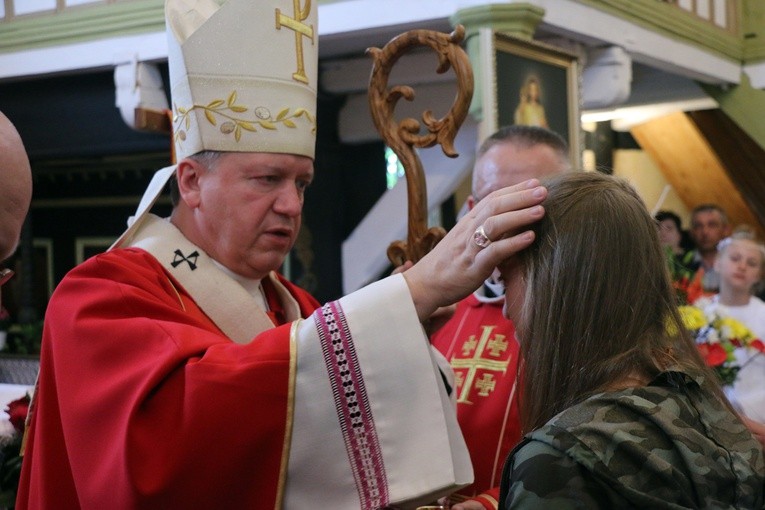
495,229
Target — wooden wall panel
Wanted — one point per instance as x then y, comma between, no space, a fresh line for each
743,159
692,167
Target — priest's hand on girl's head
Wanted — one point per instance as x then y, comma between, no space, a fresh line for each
459,263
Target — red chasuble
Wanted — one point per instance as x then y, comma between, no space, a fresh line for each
144,402
137,387
481,347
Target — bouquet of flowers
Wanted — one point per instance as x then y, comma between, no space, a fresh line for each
11,435
720,339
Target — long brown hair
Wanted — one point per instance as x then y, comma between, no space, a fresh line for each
598,298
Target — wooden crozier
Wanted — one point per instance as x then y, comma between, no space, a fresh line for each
404,136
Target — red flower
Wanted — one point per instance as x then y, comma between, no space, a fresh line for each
757,344
694,290
713,354
18,410
681,283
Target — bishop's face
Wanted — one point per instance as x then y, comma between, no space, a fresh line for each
249,209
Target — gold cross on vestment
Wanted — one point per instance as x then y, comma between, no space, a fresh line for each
301,29
496,345
486,385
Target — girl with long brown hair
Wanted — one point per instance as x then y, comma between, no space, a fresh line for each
618,407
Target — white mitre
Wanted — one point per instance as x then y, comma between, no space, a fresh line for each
243,75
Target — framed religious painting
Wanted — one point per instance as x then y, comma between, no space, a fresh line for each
538,84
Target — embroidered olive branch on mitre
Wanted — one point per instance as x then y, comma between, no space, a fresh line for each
235,124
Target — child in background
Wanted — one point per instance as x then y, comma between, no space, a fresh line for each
740,263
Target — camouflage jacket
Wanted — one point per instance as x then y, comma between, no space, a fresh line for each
667,445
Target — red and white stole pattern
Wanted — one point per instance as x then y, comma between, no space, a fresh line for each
352,404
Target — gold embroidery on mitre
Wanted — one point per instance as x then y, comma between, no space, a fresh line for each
466,381
301,29
225,110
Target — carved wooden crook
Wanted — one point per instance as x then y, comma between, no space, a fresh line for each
404,136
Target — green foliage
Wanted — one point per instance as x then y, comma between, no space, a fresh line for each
24,338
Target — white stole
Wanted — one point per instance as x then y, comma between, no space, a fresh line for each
222,298
399,441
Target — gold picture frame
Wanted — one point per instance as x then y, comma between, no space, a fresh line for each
537,84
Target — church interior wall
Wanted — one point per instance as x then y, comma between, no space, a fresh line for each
639,169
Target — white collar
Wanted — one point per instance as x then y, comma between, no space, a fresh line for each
253,286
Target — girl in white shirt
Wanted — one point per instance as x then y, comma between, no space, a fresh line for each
740,264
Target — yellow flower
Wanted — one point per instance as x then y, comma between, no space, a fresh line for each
717,338
735,328
693,318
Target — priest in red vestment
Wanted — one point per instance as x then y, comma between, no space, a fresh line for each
179,370
478,340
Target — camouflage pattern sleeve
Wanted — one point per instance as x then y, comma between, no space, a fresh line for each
669,445
539,476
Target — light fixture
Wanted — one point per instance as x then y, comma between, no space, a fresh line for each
624,118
